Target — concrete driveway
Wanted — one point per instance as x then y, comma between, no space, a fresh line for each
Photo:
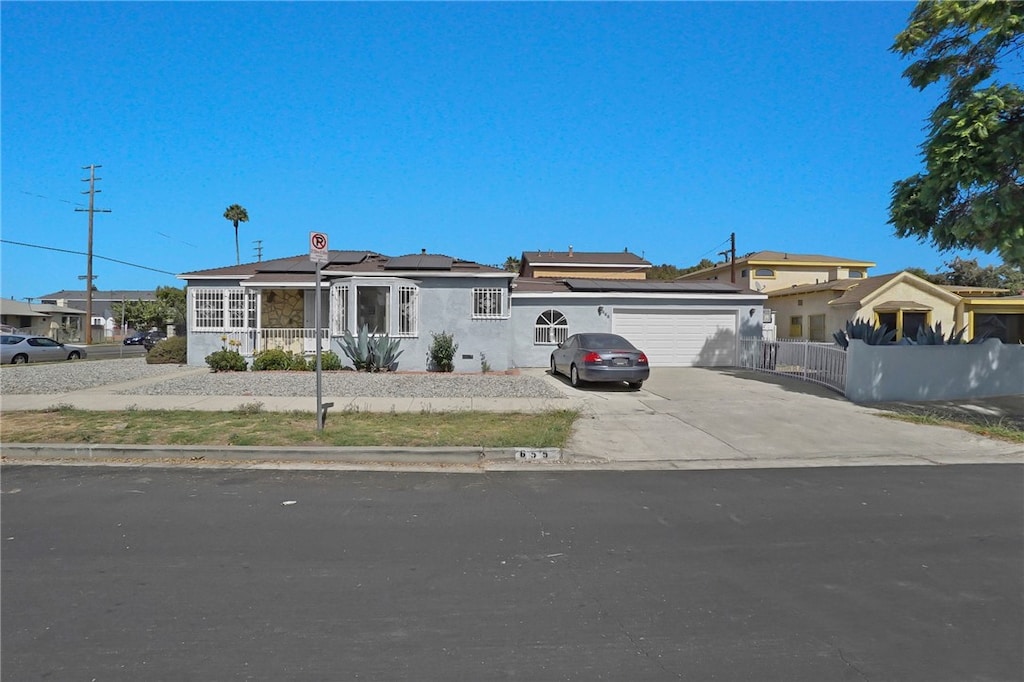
696,417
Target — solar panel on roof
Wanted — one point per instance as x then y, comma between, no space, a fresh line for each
419,262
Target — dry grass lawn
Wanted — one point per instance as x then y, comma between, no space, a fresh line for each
249,425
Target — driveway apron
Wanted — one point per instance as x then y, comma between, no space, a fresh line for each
714,415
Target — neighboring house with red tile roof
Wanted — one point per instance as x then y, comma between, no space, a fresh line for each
583,264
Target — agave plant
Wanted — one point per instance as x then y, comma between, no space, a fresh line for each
385,352
929,336
866,331
370,353
357,349
932,336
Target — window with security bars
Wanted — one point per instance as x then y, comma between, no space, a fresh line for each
213,309
339,309
207,308
489,303
241,309
384,307
551,328
406,311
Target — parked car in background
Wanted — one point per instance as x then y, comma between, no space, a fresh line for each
19,348
134,339
600,357
153,338
140,338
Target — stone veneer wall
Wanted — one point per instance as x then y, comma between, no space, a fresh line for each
283,309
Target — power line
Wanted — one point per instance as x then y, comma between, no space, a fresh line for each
40,196
84,253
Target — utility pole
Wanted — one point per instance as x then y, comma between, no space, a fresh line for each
731,255
259,250
732,248
88,269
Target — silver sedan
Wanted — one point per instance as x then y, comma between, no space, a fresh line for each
19,348
600,357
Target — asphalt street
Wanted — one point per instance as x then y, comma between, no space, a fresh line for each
894,573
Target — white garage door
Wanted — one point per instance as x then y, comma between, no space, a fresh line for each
680,338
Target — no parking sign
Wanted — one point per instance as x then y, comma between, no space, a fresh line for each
318,247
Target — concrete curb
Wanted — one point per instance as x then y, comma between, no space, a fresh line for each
13,452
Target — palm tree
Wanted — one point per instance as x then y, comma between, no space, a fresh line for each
236,214
512,264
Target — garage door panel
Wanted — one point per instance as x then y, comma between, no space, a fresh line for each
680,338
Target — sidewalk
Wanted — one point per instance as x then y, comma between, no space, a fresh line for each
685,418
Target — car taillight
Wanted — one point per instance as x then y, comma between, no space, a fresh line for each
642,360
592,358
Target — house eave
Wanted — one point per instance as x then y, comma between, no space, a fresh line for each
417,274
605,295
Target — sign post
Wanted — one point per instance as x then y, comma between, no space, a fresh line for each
318,254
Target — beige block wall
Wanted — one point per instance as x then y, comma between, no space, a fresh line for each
813,304
584,273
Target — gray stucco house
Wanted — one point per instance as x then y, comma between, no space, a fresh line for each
495,316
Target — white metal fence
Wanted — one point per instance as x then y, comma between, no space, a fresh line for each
300,341
819,363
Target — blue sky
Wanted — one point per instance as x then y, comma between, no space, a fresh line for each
477,130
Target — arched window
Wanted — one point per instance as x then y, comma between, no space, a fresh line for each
764,272
551,327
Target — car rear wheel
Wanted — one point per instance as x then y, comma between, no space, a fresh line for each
19,359
574,376
635,385
74,355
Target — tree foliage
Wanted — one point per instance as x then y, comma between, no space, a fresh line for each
971,193
236,214
511,264
666,271
967,273
168,308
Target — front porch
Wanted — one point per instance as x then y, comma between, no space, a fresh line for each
301,340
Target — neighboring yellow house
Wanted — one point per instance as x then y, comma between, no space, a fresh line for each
583,265
997,318
812,296
900,301
769,271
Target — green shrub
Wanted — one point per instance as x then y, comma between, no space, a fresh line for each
442,351
277,359
329,361
170,351
226,360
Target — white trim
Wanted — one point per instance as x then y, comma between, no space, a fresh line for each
420,274
642,294
280,285
226,277
571,264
